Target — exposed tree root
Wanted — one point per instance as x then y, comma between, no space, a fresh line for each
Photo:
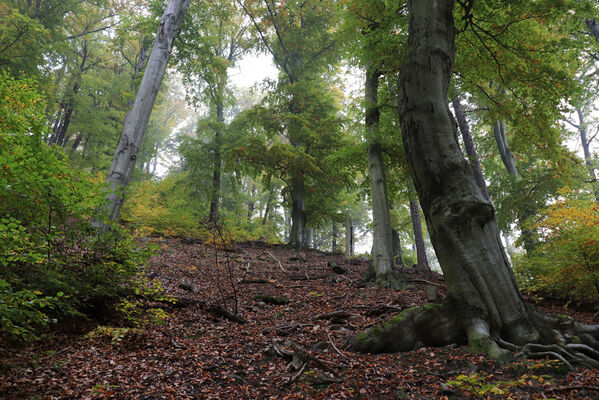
556,337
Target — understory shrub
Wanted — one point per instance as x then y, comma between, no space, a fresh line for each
566,262
53,264
168,207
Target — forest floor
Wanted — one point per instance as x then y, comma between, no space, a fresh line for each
290,350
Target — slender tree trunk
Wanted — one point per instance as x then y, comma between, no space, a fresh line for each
461,222
334,237
419,238
269,200
60,132
298,213
349,236
77,142
582,129
287,233
136,121
509,161
469,144
397,252
251,204
217,166
381,235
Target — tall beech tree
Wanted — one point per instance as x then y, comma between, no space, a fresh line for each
301,38
483,304
136,120
213,40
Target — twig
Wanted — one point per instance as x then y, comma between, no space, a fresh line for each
274,258
335,347
299,372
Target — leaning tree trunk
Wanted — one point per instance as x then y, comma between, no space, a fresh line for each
136,120
382,263
483,301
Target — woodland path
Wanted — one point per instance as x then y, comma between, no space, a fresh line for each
292,350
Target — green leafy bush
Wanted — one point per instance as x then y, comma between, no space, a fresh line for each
566,263
52,262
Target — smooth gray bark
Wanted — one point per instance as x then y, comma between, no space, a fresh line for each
419,238
469,145
136,120
381,218
461,222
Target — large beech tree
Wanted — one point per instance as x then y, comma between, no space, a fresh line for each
483,305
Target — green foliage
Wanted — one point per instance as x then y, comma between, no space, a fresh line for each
53,263
566,263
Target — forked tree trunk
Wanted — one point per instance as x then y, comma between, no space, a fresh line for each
483,301
136,120
382,257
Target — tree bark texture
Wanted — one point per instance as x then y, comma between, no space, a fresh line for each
461,222
381,235
419,238
469,145
136,120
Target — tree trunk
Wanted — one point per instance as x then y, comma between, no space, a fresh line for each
136,120
528,235
298,213
216,171
483,300
251,204
422,265
269,200
349,235
397,252
582,129
382,259
334,237
469,144
310,238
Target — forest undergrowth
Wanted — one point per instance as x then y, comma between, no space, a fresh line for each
253,321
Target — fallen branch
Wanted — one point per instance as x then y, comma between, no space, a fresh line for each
334,315
274,258
306,277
